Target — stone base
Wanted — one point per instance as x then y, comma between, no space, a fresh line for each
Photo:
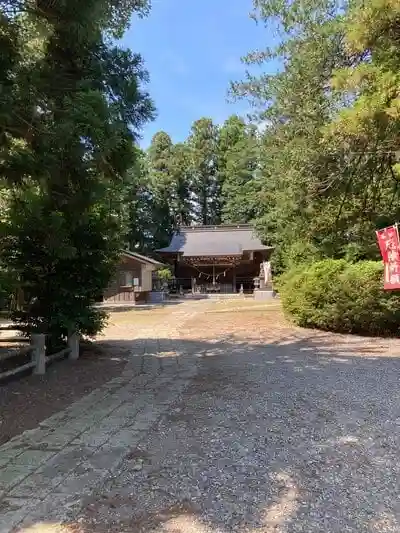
265,286
264,295
156,297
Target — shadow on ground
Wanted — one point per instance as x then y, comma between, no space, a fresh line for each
282,437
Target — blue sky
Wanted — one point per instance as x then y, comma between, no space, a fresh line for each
192,49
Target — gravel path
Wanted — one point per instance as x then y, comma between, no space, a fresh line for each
279,436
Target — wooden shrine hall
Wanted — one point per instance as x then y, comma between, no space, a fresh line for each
215,259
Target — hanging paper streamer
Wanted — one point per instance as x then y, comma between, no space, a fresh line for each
207,277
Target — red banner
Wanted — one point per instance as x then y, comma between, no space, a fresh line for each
389,244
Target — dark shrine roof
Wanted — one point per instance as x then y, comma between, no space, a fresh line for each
221,240
141,258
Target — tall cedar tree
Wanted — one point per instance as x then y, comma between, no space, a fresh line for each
76,105
313,194
160,183
203,142
195,181
237,168
139,202
182,183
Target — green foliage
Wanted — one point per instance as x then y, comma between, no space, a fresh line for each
241,188
160,185
182,184
327,168
71,112
238,162
339,296
287,257
203,143
326,158
164,274
370,29
209,178
8,286
139,206
68,268
159,192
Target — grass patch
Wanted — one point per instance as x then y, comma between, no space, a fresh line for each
138,316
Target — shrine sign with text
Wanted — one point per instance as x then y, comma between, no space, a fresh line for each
389,244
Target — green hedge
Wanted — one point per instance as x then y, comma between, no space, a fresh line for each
336,295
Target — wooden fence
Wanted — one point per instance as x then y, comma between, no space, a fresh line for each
38,357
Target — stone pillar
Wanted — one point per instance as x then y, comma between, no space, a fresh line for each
38,342
73,345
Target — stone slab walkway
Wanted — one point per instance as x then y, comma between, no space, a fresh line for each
45,472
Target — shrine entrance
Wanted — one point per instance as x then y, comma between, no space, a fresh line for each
215,259
213,274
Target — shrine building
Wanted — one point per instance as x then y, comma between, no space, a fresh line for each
215,259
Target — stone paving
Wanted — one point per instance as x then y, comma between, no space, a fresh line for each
45,472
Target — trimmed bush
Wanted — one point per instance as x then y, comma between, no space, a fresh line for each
335,295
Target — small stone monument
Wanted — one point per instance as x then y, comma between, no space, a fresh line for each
264,291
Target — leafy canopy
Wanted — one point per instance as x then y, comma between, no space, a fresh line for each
72,108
